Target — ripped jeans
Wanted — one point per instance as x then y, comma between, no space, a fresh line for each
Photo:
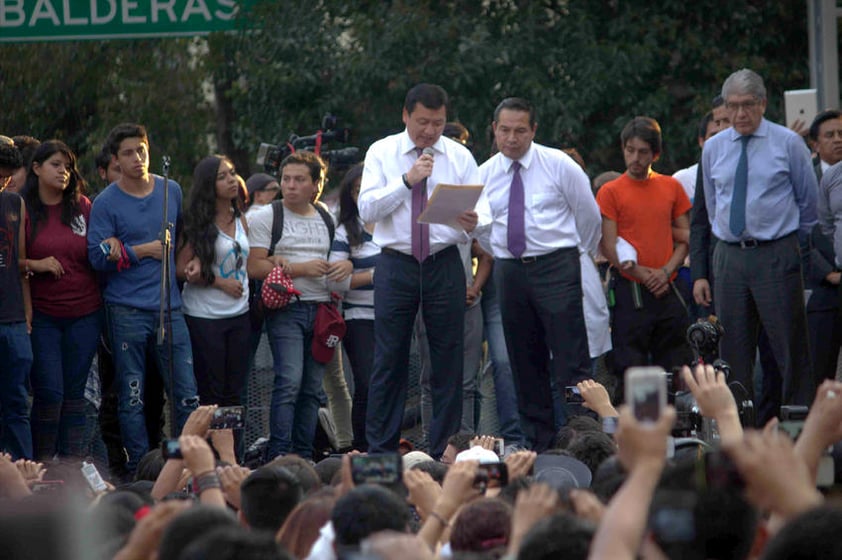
130,331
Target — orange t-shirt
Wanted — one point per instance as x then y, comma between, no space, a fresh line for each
644,212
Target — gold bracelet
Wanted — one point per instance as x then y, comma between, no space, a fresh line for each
440,519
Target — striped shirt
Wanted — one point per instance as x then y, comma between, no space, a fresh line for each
359,302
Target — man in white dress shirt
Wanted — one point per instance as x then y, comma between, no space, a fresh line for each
419,266
534,213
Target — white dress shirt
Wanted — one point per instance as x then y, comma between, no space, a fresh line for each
385,200
560,207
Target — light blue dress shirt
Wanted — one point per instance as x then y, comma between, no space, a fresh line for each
782,186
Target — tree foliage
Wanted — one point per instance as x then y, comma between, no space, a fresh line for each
77,92
587,66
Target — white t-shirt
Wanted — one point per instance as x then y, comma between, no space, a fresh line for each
687,178
304,238
230,259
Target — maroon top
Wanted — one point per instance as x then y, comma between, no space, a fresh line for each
76,292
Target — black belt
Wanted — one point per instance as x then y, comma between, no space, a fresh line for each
407,257
754,243
537,258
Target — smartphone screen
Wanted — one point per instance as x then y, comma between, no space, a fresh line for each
491,475
646,392
226,417
170,449
380,468
572,395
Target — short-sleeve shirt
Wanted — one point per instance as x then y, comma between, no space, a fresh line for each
644,212
304,238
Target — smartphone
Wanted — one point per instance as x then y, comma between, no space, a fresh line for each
646,392
791,427
499,446
378,468
572,395
491,475
47,486
105,248
91,474
170,449
225,417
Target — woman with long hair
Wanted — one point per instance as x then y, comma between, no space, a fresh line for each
354,241
212,259
67,306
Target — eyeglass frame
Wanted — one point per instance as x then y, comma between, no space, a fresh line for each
744,105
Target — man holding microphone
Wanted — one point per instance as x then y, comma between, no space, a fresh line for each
419,267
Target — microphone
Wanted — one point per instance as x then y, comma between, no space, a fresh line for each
428,152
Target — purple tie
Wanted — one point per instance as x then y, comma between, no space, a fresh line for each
420,232
516,234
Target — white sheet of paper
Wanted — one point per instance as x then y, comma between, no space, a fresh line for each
449,201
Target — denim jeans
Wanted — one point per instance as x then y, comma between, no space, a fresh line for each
131,330
16,350
298,380
504,385
63,349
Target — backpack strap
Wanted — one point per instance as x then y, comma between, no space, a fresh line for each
277,224
328,218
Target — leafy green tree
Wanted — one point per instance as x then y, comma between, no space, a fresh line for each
77,92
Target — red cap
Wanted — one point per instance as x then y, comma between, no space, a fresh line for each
328,330
278,289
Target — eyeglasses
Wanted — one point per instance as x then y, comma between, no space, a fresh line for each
238,253
744,105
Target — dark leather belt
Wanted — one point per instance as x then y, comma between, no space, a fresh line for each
752,243
537,258
407,257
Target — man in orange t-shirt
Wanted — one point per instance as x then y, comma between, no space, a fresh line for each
651,212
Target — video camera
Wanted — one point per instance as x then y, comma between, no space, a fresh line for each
270,156
703,336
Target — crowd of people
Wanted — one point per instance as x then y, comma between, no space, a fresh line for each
113,308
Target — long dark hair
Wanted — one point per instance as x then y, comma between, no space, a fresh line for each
70,196
200,229
349,213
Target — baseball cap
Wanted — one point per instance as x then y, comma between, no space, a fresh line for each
328,330
414,458
278,289
561,472
477,453
259,181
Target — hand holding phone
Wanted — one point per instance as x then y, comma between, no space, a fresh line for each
91,474
646,393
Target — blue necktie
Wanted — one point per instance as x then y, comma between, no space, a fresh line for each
516,234
738,197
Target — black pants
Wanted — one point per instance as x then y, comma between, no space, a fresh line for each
438,287
221,350
359,345
647,330
544,324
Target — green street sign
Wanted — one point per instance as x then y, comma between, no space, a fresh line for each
75,20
